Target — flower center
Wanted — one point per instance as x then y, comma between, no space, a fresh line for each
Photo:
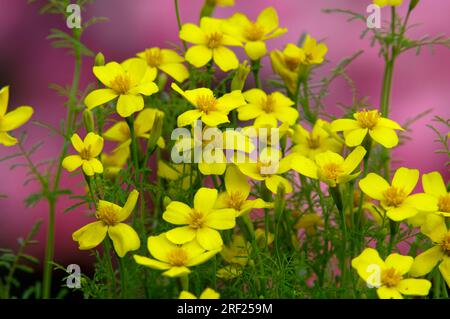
121,84
394,196
368,119
254,32
196,219
332,171
444,203
206,103
235,200
390,277
177,257
108,215
153,57
445,244
313,142
291,62
269,104
86,153
214,40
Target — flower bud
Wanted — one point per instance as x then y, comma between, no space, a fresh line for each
99,59
240,76
161,81
88,120
166,201
155,134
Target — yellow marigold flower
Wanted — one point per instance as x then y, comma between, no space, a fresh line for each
254,33
313,53
211,110
12,120
209,44
143,124
331,168
383,3
202,221
237,192
208,293
110,220
317,141
267,108
433,185
268,167
174,259
88,150
435,229
380,129
165,60
115,162
128,81
395,198
309,222
389,276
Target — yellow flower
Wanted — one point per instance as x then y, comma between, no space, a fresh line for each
317,141
110,220
435,229
389,276
12,120
114,162
267,108
174,259
165,60
143,124
212,111
309,222
313,53
383,3
396,198
88,150
209,44
254,33
433,185
208,293
268,167
381,130
128,81
202,221
331,168
237,192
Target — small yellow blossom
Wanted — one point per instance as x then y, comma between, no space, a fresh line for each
166,60
208,293
331,168
115,161
389,276
396,198
433,185
236,254
380,129
110,221
383,3
89,149
12,120
174,259
212,111
210,43
435,229
202,222
254,33
127,81
267,108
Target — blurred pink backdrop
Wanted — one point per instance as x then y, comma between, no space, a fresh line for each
28,64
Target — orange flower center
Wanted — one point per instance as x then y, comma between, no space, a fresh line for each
313,142
292,63
254,32
108,215
86,153
368,119
269,104
214,40
394,196
153,57
332,171
444,203
177,257
121,84
206,103
390,277
196,219
235,200
445,244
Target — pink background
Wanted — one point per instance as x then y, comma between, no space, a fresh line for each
28,64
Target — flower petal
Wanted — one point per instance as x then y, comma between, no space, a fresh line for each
255,49
129,104
204,199
181,235
388,293
344,125
434,227
159,247
94,143
426,261
422,201
385,136
399,262
72,162
235,181
225,59
177,213
176,272
268,18
400,213
90,235
353,159
199,55
202,257
144,261
274,181
414,287
355,137
96,165
176,70
221,219
406,179
129,206
192,33
374,185
4,98
7,139
209,238
433,184
16,118
99,97
188,117
304,166
368,264
124,238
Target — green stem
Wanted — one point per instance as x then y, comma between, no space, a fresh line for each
184,282
177,11
123,278
112,274
337,197
256,66
305,103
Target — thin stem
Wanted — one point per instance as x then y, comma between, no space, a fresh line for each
112,274
256,66
305,103
177,11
